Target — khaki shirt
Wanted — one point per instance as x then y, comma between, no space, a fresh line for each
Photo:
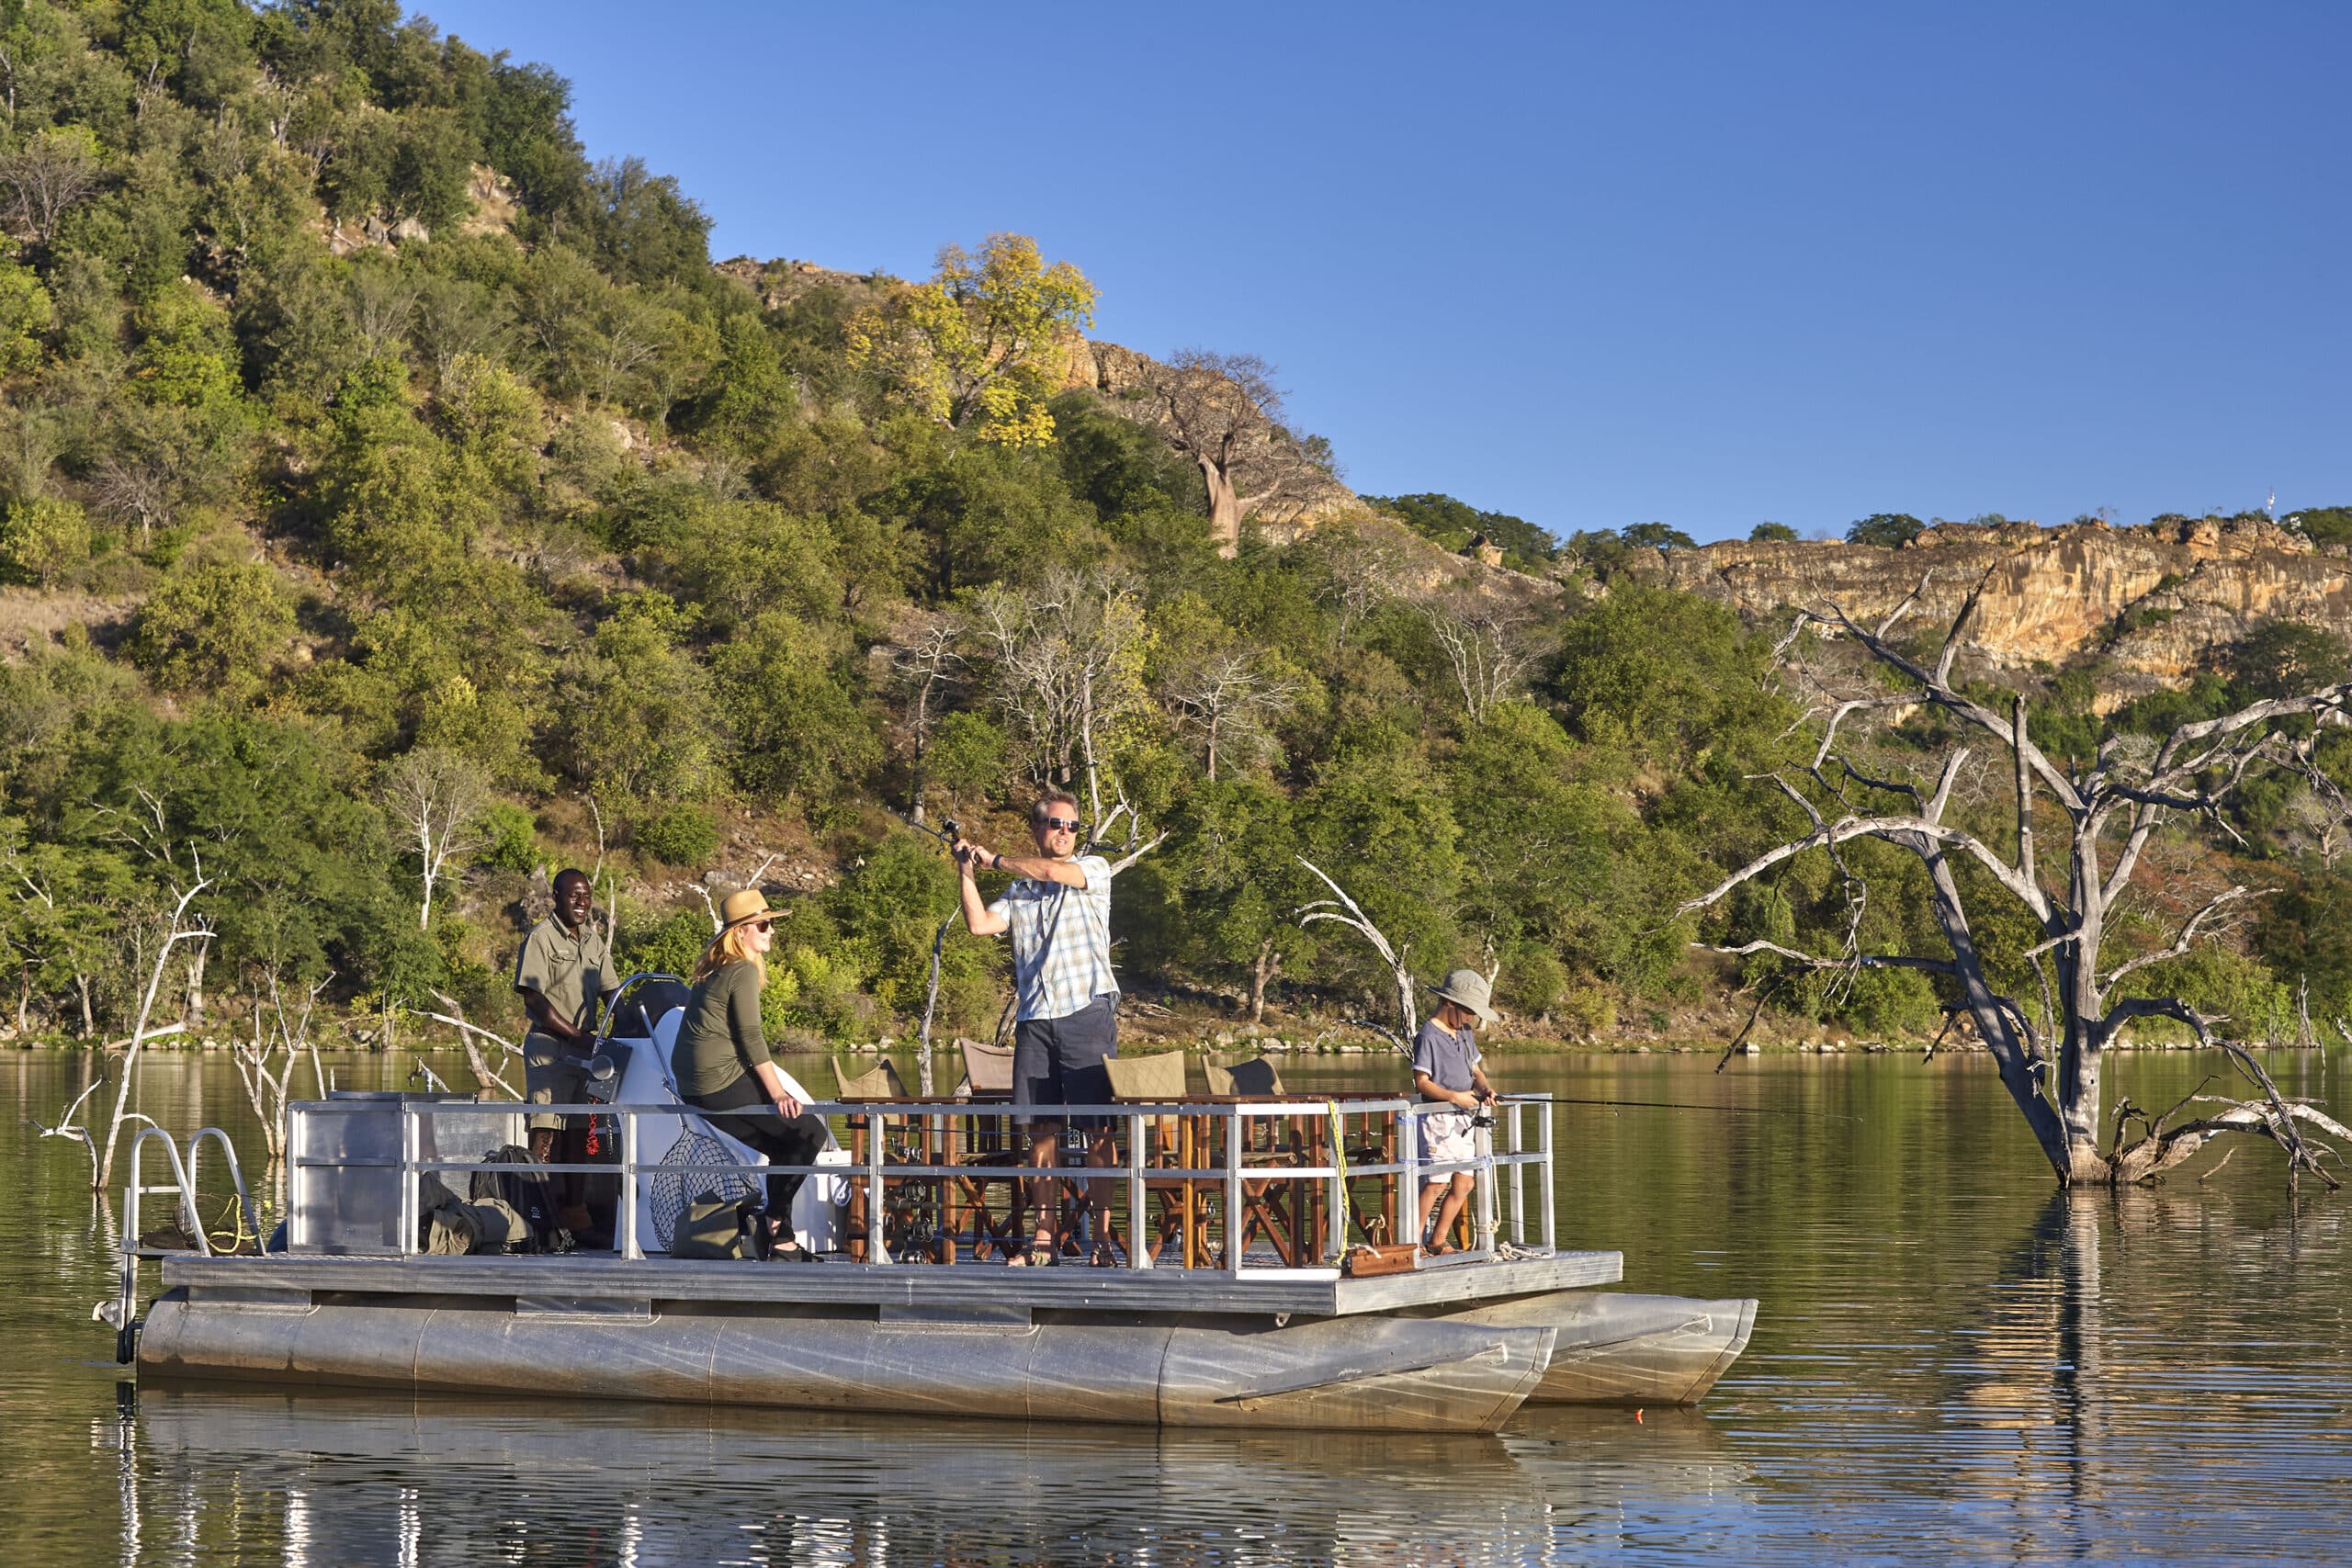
570,971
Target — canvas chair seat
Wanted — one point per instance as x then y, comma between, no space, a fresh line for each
879,1082
1146,1078
988,1070
1246,1075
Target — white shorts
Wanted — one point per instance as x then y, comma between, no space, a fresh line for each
1446,1136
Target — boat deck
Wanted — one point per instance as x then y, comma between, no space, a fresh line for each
599,1283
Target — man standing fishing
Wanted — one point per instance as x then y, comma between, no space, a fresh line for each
1068,1021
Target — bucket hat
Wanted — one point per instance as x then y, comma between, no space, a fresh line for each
1469,988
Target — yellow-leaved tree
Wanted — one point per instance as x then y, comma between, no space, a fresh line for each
980,346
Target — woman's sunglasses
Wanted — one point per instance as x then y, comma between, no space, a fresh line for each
763,925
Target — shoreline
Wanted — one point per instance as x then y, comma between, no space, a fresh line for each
1239,1048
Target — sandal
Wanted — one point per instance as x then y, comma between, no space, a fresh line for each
1104,1258
1041,1255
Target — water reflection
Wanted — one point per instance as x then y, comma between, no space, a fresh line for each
1949,1361
368,1478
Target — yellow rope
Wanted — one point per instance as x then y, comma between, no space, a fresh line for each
236,1237
1340,1162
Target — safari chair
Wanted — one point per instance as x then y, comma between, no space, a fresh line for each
1160,1079
991,1144
906,1213
1282,1211
988,1071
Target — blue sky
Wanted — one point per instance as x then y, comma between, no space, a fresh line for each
1706,264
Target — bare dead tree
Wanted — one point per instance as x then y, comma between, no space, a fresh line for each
1340,910
930,660
266,1063
1224,411
1485,644
485,1074
931,1004
439,796
1361,575
1068,668
185,927
46,176
381,303
2110,810
1229,701
454,317
32,436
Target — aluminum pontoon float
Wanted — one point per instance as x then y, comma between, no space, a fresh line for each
1456,1343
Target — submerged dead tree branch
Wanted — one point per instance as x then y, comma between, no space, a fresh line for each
2110,810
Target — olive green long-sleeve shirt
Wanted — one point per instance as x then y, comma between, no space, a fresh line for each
720,1039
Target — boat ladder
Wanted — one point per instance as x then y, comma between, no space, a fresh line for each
122,1311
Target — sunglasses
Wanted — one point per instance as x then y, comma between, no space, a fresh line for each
763,925
1067,824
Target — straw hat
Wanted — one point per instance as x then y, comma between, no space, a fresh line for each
1468,989
745,904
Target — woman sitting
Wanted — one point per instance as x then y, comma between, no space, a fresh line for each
722,1061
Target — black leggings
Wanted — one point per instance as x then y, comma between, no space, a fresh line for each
794,1142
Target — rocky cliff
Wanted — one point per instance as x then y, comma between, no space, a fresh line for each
2150,601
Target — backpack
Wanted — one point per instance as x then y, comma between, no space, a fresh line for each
487,1225
715,1227
520,1185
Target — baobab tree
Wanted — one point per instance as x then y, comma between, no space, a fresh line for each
1224,411
2111,807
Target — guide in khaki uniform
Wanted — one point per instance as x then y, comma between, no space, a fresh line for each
564,970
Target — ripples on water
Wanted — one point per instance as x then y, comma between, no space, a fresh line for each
1949,1363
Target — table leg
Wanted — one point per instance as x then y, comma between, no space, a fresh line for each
858,1216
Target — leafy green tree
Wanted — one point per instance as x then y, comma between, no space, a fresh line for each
987,515
978,346
44,540
1453,524
634,710
1772,534
27,314
1376,820
798,732
677,833
2285,657
1656,536
1654,673
749,402
1889,530
2324,525
214,629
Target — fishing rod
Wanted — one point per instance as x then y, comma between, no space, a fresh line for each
1669,1105
1398,1045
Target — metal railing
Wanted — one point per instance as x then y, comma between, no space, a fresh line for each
183,1187
1241,1171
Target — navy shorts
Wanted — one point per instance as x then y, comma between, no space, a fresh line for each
1058,1060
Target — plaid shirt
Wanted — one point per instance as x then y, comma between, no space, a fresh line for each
1061,940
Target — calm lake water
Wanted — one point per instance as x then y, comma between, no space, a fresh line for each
1949,1363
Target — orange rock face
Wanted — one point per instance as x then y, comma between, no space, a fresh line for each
2151,601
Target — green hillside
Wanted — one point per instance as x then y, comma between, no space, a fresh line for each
362,444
